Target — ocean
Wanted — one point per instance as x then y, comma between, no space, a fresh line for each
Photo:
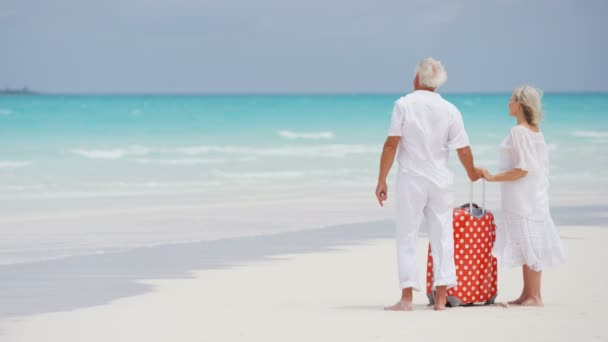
82,174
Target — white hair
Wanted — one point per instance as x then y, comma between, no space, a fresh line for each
431,73
529,99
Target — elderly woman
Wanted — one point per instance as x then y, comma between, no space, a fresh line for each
527,236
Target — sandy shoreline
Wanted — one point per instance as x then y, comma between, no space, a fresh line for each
90,280
335,293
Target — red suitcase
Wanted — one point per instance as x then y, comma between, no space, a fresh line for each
476,268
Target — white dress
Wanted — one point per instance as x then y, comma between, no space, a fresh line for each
526,234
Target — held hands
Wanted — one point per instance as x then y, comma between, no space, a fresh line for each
476,174
381,192
481,173
487,175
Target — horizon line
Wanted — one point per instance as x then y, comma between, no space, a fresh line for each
47,93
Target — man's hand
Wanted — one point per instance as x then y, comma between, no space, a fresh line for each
476,174
487,175
386,161
381,192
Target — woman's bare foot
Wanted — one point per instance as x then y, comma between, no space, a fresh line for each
401,305
531,301
518,301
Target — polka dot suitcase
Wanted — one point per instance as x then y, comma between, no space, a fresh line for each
476,268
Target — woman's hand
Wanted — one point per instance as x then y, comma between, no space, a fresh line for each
487,175
381,191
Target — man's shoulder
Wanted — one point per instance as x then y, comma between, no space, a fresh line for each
415,97
452,107
404,99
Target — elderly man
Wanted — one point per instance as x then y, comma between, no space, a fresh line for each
424,127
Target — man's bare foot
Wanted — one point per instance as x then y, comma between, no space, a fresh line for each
401,305
439,307
440,298
530,301
440,303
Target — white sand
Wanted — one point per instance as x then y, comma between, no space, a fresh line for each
338,296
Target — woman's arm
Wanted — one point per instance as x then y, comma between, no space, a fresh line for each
508,176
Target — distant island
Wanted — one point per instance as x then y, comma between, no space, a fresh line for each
16,91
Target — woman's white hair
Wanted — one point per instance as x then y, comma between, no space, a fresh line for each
529,99
431,73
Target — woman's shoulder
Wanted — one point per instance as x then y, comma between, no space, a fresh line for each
522,129
516,133
521,136
520,132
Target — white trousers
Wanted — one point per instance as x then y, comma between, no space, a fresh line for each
418,198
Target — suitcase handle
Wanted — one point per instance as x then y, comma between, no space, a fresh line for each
483,197
468,205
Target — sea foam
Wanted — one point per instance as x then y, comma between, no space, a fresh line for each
112,154
309,135
589,134
13,164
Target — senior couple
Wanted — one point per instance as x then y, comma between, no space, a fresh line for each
424,127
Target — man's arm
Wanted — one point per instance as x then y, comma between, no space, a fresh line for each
466,159
386,162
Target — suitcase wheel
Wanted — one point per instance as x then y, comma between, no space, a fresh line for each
453,302
492,300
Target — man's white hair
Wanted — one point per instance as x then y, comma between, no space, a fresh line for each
431,73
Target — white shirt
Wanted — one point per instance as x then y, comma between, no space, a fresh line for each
429,127
526,197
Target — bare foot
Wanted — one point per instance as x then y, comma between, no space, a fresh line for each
532,302
440,303
401,305
441,298
439,307
518,301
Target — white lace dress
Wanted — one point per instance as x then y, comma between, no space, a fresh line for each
526,234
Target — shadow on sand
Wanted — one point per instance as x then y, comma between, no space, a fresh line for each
84,281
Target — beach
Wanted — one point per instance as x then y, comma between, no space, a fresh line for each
219,171
220,218
333,291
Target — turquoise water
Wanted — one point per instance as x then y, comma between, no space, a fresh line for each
88,174
62,143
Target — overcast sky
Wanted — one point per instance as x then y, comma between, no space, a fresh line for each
311,46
